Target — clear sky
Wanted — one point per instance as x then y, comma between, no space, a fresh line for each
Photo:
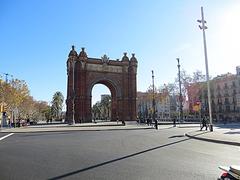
36,37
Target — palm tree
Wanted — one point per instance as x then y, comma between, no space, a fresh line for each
96,111
57,105
106,105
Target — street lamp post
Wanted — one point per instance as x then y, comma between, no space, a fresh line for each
203,27
153,103
73,98
180,93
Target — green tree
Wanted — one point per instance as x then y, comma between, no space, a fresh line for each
57,105
106,106
47,113
96,110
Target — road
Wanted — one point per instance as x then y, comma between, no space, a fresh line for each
115,154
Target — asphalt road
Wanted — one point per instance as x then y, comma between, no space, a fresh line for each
115,154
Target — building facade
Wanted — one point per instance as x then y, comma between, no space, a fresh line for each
145,105
225,97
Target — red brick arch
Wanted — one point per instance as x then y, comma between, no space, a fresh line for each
85,72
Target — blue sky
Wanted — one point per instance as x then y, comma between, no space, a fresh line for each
36,37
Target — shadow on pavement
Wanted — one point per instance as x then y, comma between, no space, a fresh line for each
176,136
228,126
115,160
184,126
201,133
235,132
37,134
159,127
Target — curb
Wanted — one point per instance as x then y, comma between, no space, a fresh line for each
213,140
75,130
73,126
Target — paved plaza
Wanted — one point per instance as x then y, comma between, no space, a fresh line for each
113,151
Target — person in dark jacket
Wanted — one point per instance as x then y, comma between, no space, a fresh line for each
204,123
148,121
174,121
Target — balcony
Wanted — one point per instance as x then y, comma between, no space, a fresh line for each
226,94
225,86
226,103
233,85
219,101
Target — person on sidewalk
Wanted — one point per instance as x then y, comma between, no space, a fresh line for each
174,121
204,123
148,121
117,119
156,123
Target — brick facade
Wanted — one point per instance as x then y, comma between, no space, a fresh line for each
84,72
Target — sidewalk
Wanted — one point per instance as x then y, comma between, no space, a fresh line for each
100,126
224,134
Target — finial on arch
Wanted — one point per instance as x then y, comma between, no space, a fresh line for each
125,58
133,58
83,54
73,53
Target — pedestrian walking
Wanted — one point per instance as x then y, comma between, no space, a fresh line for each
156,124
174,121
148,121
9,123
204,123
117,119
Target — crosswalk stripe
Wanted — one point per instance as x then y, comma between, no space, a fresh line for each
6,136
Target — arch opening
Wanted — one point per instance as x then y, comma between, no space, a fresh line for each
103,101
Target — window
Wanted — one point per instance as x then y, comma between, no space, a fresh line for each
234,92
225,85
226,101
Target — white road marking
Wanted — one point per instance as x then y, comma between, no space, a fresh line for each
6,136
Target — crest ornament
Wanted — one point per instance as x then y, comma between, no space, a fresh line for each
105,58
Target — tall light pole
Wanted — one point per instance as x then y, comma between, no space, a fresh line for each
153,102
6,76
73,89
180,93
203,27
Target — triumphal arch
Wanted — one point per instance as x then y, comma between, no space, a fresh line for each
84,72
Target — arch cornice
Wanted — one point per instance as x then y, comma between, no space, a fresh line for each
113,85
